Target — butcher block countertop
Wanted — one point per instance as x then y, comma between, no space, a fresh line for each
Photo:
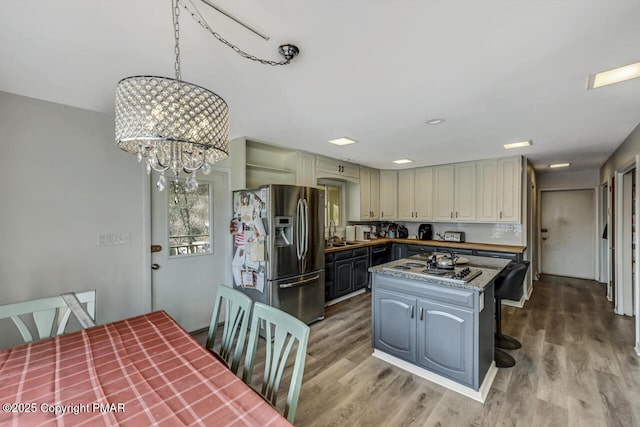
440,243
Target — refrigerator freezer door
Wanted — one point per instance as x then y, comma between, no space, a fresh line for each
314,240
301,296
304,252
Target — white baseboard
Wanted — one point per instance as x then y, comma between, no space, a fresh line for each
478,395
345,297
511,303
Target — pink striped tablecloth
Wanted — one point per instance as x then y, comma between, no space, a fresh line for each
142,371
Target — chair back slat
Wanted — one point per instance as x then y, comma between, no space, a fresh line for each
236,322
24,331
44,322
46,313
282,332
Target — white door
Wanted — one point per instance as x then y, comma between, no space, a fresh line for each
567,232
192,229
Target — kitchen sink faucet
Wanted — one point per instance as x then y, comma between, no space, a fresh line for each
332,235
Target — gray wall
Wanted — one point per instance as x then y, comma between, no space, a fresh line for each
623,156
567,180
63,182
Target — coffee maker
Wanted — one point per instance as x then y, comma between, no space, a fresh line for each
425,232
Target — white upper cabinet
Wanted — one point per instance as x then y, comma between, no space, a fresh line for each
369,193
443,187
454,192
423,194
334,168
509,189
499,189
487,188
406,196
464,202
415,194
306,170
388,195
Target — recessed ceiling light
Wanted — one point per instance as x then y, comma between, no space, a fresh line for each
518,144
612,76
402,161
434,121
343,141
560,165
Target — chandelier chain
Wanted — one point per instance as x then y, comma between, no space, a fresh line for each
203,23
176,35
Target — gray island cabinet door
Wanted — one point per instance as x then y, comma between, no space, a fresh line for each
395,325
445,340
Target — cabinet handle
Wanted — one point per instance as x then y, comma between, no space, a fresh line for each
412,312
421,313
500,214
451,214
456,214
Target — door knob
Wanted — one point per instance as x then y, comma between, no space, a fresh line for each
155,266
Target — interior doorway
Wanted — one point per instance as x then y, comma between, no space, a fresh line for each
604,238
567,231
625,302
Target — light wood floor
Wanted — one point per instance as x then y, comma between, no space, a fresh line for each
577,367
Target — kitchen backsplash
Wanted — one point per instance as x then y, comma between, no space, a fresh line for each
502,234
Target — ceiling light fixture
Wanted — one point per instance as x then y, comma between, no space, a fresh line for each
434,121
615,75
518,144
402,161
343,140
560,165
175,125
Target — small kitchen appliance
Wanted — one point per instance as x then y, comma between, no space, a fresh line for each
425,232
362,233
403,233
454,236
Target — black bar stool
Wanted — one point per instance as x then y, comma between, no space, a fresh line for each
508,286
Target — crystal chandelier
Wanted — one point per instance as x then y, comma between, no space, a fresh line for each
174,125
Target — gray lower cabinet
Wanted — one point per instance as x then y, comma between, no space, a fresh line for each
328,277
395,325
445,340
350,271
343,280
433,335
405,250
418,249
399,251
446,330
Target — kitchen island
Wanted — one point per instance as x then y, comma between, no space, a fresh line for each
438,324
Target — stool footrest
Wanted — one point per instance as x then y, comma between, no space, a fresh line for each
503,360
506,342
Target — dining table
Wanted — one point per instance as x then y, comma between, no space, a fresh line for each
145,370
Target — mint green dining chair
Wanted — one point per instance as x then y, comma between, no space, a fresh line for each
51,315
281,331
236,322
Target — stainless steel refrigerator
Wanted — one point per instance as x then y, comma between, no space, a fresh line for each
285,222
